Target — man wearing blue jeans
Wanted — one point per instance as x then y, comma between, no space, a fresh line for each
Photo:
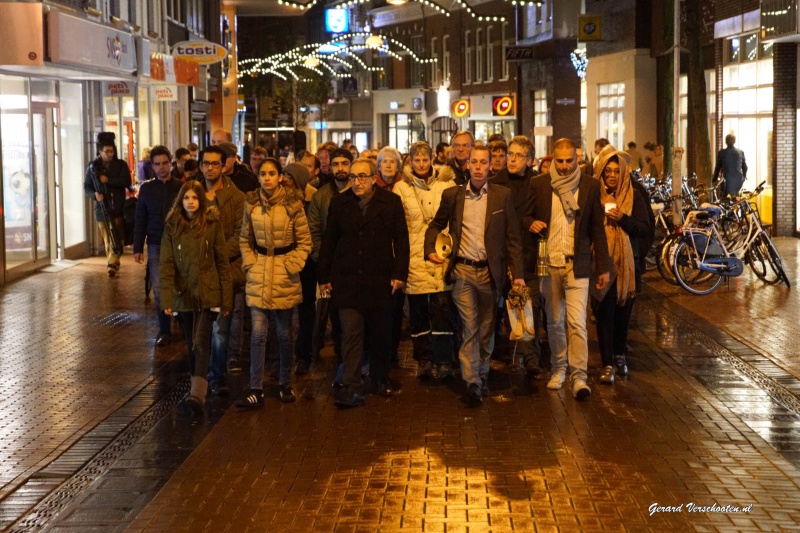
486,242
155,200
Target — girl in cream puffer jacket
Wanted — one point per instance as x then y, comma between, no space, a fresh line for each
275,242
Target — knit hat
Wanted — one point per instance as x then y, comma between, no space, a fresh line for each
230,149
298,173
342,152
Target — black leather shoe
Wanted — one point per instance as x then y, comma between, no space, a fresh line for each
302,367
353,399
287,394
425,370
218,388
485,393
473,397
532,368
163,340
384,387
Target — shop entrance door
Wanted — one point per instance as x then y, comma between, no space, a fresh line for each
48,245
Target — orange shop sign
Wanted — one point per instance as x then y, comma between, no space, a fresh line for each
164,67
200,51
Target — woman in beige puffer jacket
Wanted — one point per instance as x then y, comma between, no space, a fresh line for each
428,295
275,243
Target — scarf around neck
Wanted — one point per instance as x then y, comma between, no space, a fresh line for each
620,247
564,186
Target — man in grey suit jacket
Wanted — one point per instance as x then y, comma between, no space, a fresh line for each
566,211
486,241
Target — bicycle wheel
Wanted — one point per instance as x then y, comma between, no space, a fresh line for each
775,261
690,277
651,261
759,251
665,258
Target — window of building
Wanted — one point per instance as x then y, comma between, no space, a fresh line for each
416,70
435,64
468,51
489,55
382,79
402,130
611,112
176,10
540,120
445,60
505,37
711,106
442,129
478,55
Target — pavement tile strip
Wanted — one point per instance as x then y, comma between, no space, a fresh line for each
691,425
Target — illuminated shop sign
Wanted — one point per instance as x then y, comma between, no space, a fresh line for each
461,108
502,106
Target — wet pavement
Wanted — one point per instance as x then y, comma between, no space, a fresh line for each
93,436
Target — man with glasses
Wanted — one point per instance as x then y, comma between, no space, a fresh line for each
517,177
363,261
223,194
155,200
462,143
105,182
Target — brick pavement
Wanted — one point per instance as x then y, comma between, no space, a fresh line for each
691,424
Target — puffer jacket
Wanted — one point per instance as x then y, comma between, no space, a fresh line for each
194,270
424,277
273,282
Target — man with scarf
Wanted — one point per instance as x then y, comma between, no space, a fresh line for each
566,211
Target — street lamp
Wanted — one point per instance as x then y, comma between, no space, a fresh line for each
374,41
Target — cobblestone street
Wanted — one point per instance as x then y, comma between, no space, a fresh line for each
94,437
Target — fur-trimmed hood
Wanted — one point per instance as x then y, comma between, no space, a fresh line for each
444,173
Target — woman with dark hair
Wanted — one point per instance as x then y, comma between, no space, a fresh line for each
275,242
625,222
195,278
544,164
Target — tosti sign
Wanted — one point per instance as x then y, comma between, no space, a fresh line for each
203,52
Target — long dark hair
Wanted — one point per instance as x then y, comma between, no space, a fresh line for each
178,216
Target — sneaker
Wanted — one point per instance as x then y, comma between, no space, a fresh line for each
425,370
345,400
473,397
111,271
234,365
607,376
557,379
287,394
621,365
580,390
253,399
163,339
445,372
485,392
302,367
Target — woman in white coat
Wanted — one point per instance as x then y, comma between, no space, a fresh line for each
428,297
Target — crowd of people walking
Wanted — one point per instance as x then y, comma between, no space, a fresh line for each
365,239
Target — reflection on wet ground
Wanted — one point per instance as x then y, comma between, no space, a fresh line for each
97,440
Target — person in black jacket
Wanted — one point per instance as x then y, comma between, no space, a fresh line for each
625,223
363,261
155,200
107,180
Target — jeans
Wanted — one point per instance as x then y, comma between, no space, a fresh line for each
476,301
258,342
306,311
566,297
197,330
117,225
612,324
374,326
236,330
431,327
219,349
153,260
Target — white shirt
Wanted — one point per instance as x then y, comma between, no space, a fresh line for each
473,223
561,237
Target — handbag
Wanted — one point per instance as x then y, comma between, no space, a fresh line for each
520,314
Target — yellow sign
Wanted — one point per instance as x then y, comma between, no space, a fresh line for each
590,28
203,52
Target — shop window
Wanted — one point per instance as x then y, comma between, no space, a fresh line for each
402,130
611,112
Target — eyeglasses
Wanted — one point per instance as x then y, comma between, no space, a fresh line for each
109,151
212,164
462,145
361,178
517,155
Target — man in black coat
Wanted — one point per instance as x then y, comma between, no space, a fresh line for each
155,200
517,177
363,261
566,211
106,181
485,232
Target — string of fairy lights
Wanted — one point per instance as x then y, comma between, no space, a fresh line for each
313,55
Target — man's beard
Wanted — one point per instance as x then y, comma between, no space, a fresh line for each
340,176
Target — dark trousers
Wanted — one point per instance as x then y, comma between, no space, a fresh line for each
431,327
306,311
197,331
370,329
398,301
612,324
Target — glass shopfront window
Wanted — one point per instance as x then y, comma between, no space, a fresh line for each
485,129
403,130
611,110
72,164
